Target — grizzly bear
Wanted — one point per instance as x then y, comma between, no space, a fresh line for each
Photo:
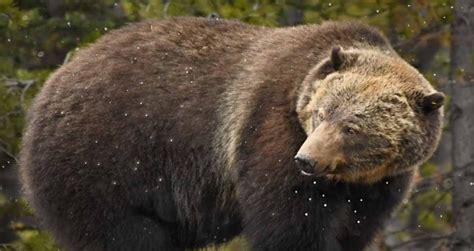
186,132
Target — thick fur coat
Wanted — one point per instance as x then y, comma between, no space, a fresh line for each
180,133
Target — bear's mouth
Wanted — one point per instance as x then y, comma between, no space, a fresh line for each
306,174
325,171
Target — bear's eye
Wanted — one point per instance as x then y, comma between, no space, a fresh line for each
349,130
321,116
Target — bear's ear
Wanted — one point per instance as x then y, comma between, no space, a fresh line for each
338,59
432,101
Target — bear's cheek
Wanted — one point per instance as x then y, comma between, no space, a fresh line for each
355,147
366,152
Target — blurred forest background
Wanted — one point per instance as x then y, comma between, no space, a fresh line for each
38,36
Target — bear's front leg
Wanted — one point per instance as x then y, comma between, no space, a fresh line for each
281,212
371,207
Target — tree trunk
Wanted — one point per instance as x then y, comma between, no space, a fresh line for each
294,14
462,124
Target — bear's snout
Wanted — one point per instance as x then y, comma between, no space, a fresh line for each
321,151
305,164
309,166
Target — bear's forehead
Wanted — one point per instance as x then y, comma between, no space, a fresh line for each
380,70
373,83
383,104
358,88
366,96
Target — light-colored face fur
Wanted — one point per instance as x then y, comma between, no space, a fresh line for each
371,116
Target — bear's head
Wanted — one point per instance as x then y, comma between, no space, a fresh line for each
367,115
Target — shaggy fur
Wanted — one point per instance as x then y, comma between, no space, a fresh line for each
383,101
180,133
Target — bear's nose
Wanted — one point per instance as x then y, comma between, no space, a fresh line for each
305,164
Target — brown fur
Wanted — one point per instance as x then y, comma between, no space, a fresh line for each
180,133
379,96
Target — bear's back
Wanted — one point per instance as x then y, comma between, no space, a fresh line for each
150,71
